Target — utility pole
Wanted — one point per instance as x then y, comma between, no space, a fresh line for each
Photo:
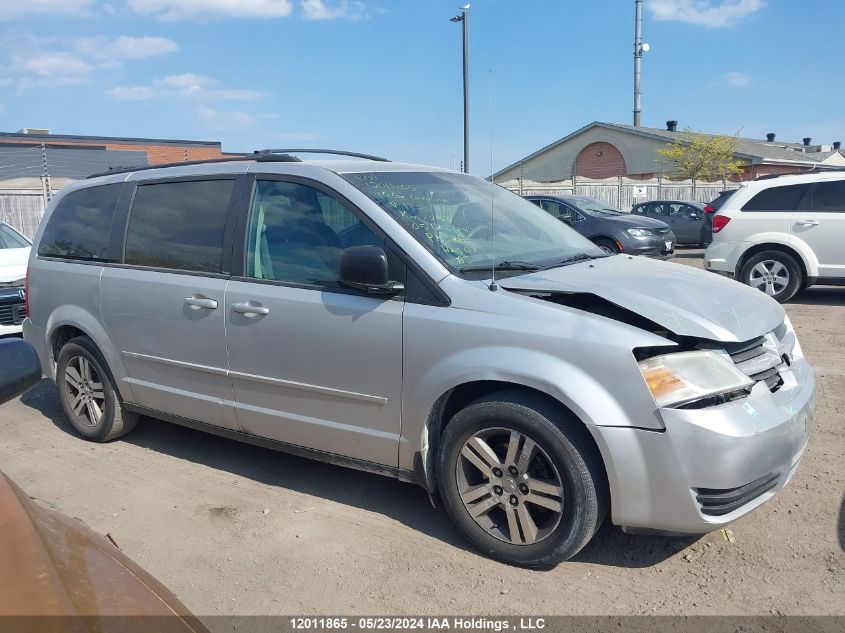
462,18
48,187
640,47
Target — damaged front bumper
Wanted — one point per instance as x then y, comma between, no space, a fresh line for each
712,465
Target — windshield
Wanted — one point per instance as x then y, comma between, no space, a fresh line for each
450,214
9,238
593,207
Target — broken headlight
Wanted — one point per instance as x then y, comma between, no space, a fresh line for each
683,377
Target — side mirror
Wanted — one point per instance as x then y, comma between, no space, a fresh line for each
365,268
566,220
693,216
20,368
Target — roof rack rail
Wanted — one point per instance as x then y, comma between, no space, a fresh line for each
815,169
274,152
282,158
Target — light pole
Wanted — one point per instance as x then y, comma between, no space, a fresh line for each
463,19
640,47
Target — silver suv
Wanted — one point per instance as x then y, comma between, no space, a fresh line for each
426,325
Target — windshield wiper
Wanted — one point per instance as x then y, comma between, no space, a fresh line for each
579,257
505,265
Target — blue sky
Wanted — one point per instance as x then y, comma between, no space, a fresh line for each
384,76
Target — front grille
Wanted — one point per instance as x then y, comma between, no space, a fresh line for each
12,314
759,360
660,231
719,501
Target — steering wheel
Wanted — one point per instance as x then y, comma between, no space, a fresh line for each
481,232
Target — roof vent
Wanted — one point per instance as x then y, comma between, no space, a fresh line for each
35,131
837,144
672,126
770,137
807,140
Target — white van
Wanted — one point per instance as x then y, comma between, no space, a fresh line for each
783,234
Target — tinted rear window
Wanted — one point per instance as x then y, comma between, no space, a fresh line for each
80,225
179,225
787,198
721,199
829,196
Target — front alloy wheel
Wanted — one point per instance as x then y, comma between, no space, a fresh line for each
521,478
509,486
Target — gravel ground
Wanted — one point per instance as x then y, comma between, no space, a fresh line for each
236,529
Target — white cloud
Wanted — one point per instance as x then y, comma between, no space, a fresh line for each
126,47
13,9
186,86
177,10
55,68
221,121
703,12
737,79
321,10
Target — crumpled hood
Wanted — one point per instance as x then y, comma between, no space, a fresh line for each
684,300
13,263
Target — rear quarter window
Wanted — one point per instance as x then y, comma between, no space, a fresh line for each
80,225
829,197
786,198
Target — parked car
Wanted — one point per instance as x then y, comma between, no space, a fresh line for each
14,253
690,221
782,234
58,569
608,228
426,325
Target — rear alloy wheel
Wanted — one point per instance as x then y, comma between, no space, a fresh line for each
775,273
521,479
88,395
608,246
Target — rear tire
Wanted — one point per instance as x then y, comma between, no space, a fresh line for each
774,272
608,246
538,495
88,394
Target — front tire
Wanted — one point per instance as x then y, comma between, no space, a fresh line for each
88,394
522,481
774,272
608,246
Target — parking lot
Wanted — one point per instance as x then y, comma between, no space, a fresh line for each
237,529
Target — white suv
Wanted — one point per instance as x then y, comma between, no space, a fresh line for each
783,234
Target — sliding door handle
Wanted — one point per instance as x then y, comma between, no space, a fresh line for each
198,301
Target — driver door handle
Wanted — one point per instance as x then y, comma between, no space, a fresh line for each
807,223
249,308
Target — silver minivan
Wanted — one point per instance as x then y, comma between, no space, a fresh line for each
426,325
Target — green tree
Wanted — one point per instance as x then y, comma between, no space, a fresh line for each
702,156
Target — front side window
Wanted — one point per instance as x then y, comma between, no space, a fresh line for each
80,226
467,222
787,198
557,210
296,234
829,197
9,238
179,225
